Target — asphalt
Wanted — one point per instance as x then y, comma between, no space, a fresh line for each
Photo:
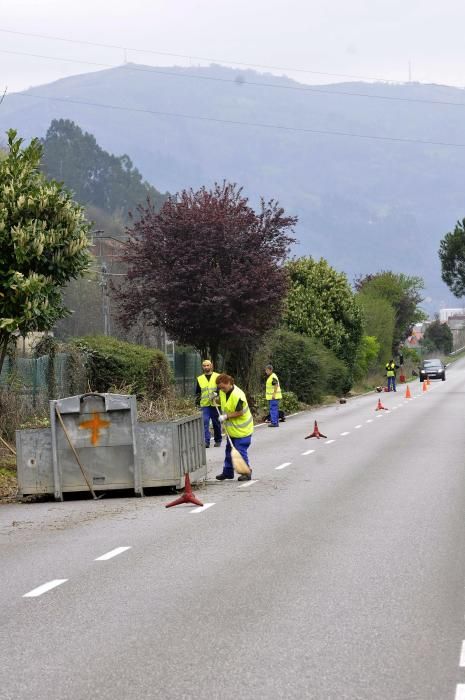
339,576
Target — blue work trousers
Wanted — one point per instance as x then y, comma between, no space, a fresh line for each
391,383
241,445
211,413
273,405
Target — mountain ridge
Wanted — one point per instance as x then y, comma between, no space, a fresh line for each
364,204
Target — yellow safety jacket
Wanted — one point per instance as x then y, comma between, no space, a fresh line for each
390,369
207,388
270,387
242,426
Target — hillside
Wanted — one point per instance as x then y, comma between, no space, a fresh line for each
364,204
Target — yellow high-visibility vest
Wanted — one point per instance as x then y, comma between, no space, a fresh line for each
207,388
270,388
390,369
242,426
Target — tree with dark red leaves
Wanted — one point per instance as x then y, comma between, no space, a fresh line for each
209,269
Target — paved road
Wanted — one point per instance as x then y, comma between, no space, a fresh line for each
339,576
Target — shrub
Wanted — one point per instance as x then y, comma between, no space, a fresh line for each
289,403
304,366
111,362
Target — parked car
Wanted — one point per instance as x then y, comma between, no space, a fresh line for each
432,369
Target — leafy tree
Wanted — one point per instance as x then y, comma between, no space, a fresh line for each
378,322
403,292
208,268
43,243
95,176
321,304
452,257
367,355
439,337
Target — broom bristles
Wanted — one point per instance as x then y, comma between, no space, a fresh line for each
239,463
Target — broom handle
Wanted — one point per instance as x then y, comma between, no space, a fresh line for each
225,429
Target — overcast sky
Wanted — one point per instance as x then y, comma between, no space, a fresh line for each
367,38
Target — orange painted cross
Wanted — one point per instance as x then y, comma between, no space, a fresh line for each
94,425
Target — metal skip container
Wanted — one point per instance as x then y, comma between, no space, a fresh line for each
95,443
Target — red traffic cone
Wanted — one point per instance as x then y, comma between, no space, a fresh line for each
425,386
408,395
380,406
428,381
186,497
316,433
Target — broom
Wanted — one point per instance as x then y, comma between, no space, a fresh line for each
239,463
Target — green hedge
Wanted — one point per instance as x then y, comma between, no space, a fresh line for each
305,366
289,403
115,363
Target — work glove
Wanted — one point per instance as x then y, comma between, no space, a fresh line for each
223,417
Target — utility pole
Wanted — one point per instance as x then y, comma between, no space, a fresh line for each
105,299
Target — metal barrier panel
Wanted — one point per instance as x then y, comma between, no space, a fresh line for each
169,450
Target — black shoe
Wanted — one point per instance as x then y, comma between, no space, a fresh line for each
273,425
217,444
207,446
222,477
244,477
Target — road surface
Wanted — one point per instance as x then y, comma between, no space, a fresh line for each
337,573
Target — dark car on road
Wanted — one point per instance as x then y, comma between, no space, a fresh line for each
432,369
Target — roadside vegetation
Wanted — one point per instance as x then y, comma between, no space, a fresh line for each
204,265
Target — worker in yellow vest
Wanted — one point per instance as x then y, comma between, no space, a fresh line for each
273,396
391,374
238,423
206,391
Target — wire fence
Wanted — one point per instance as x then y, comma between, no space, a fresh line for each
29,377
186,368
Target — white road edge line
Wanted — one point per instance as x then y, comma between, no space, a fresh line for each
200,509
284,465
112,553
308,452
247,483
460,692
344,434
462,656
44,588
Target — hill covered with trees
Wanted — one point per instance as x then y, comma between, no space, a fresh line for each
363,165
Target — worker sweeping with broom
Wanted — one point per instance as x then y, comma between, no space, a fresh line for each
238,423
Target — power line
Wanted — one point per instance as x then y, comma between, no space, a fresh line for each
233,122
196,58
177,74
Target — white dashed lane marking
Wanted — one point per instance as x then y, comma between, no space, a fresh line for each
283,466
460,692
346,433
247,483
112,553
200,509
370,420
308,452
329,442
358,426
44,588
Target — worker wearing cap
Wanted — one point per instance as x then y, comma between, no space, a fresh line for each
205,391
238,422
273,396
